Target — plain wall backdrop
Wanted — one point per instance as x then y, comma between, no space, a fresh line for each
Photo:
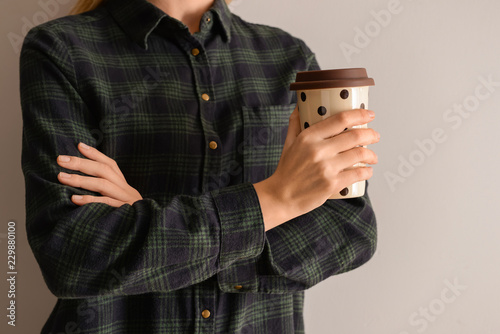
435,190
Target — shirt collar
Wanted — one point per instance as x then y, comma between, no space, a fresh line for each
138,18
224,17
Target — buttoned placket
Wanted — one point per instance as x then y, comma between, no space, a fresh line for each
204,90
205,94
214,143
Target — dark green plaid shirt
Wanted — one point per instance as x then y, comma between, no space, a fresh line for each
192,121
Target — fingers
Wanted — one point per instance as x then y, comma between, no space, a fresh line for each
87,199
352,138
96,155
293,128
356,155
95,184
349,159
90,167
353,175
106,178
337,123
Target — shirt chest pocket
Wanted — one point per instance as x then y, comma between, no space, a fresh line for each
265,130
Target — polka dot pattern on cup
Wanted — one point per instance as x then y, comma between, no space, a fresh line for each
303,96
322,111
344,94
306,125
344,192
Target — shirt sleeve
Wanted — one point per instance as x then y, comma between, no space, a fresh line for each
337,237
96,249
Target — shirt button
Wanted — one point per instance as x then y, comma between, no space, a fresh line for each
205,97
238,287
195,52
205,314
213,145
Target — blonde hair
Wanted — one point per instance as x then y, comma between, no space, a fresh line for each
85,5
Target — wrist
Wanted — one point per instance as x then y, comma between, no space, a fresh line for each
274,206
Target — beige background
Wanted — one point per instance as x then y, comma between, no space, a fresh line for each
437,228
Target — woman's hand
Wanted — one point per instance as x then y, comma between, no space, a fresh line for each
315,164
106,178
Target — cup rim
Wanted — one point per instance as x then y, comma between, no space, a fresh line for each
337,78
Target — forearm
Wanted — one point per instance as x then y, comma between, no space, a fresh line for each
337,237
150,247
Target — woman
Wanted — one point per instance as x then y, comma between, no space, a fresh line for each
166,210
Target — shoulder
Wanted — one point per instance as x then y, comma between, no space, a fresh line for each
257,30
57,43
265,37
70,28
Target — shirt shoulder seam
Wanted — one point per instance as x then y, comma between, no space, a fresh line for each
72,20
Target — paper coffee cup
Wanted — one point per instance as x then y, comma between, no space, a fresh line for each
321,94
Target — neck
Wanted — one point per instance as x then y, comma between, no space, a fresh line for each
188,12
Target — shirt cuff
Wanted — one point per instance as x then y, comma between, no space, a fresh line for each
242,224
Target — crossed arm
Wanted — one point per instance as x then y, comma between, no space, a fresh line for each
313,165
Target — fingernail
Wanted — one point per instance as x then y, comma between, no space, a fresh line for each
371,113
77,197
82,145
64,158
64,175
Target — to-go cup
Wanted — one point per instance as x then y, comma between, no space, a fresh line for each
321,94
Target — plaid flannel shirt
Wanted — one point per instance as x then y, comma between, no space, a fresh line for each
192,121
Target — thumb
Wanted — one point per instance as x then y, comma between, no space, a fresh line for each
293,128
